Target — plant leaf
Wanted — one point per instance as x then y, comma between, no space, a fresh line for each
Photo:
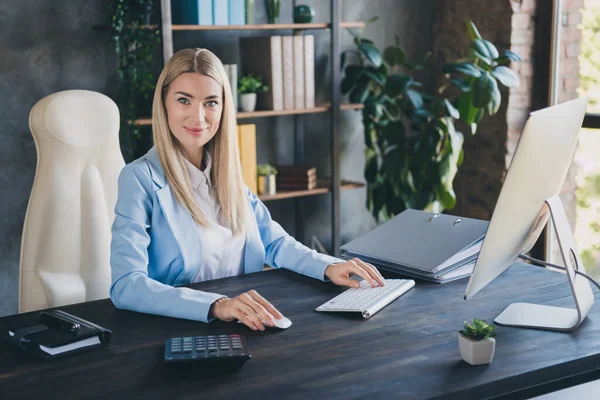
394,55
472,30
346,85
415,98
491,49
359,94
461,84
353,72
465,107
464,67
483,90
451,109
506,76
374,75
370,51
396,84
511,55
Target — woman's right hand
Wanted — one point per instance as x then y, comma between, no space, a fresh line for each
250,308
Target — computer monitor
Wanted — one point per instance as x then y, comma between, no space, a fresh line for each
529,195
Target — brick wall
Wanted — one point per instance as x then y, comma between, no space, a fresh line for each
508,24
479,180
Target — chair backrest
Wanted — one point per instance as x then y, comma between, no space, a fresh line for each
65,248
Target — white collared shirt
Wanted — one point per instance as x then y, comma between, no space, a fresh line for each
222,253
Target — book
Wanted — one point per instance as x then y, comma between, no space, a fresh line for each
299,102
261,56
237,12
296,170
309,71
232,75
247,144
52,334
192,12
421,244
220,12
287,55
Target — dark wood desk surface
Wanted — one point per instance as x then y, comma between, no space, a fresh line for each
407,350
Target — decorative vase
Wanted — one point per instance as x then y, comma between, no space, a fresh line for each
266,184
476,352
249,7
248,101
273,11
303,14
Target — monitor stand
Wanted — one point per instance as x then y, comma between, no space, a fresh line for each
538,316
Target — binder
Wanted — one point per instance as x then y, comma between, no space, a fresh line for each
237,12
53,334
309,71
247,145
261,55
287,57
192,12
298,51
422,244
220,12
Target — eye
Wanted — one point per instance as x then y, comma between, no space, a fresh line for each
212,103
183,100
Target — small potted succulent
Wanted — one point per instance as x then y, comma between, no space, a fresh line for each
476,342
266,178
248,87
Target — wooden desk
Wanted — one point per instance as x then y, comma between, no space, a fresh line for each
407,350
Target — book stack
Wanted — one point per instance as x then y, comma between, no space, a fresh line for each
287,66
434,247
208,12
296,177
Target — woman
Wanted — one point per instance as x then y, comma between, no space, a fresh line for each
184,215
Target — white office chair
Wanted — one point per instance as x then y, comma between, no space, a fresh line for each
65,246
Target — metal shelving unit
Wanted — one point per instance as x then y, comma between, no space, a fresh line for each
331,185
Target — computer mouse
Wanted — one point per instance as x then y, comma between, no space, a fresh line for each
281,323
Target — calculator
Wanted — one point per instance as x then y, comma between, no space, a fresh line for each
217,350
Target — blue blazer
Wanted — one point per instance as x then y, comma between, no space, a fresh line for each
155,246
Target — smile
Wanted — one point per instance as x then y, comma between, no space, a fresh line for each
194,131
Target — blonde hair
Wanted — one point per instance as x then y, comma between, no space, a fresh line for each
223,148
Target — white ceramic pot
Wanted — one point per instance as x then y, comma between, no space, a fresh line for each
476,352
266,184
248,101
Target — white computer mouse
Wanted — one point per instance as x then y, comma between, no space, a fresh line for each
281,323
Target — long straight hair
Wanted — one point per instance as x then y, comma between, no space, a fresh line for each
223,148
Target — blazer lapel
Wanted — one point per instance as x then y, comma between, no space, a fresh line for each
179,219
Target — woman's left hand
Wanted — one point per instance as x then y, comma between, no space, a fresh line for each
340,273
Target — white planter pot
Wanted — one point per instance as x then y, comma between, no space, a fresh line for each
248,101
266,184
476,352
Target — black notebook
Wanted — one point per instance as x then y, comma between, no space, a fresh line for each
52,334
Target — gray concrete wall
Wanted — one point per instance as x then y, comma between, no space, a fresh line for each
45,46
48,46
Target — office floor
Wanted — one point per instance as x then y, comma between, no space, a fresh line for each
587,391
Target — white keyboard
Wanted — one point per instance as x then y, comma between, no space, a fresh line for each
368,300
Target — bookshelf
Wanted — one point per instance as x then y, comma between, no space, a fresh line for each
273,113
256,27
332,185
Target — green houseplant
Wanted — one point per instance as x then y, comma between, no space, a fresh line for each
248,87
413,148
476,342
266,178
134,44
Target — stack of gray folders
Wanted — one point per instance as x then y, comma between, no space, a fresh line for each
435,247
